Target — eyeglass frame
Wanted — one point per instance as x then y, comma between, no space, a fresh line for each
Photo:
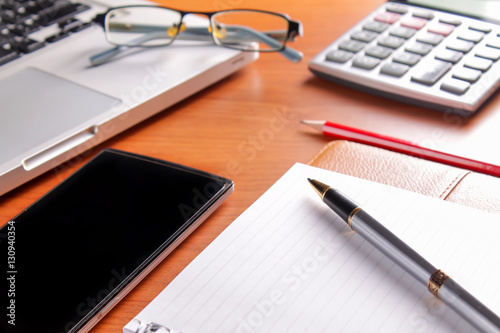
294,29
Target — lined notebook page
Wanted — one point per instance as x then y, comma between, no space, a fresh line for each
289,264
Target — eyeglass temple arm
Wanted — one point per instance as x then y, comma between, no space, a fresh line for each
105,56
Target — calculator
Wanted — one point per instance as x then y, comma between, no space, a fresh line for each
444,58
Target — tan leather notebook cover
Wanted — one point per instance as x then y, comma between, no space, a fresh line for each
415,174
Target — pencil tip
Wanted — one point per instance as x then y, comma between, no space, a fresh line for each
316,124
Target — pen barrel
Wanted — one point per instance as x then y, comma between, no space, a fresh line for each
449,291
468,307
392,247
339,203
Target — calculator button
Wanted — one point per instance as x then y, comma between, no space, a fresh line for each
467,74
414,22
493,42
352,45
407,58
488,53
431,72
424,14
471,35
365,62
419,48
478,63
339,56
364,35
451,20
449,55
391,41
379,52
387,17
481,28
395,8
430,38
394,69
442,29
460,45
403,32
457,87
376,26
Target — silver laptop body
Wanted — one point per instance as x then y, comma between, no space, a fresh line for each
54,105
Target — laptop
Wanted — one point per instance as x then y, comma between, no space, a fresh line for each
56,105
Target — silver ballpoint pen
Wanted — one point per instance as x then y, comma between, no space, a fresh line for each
438,283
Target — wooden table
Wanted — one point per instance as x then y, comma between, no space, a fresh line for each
228,129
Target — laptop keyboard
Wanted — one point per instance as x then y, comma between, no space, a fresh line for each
21,19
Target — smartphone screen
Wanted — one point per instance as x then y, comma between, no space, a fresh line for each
67,256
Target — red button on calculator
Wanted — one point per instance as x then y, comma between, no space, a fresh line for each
442,29
387,17
414,22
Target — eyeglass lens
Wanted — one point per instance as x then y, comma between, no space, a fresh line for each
250,30
145,26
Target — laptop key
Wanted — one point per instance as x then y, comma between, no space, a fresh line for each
8,16
7,54
36,6
59,11
27,45
56,37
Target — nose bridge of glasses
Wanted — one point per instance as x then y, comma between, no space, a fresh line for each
197,24
176,28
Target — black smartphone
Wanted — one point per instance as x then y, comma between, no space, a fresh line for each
72,255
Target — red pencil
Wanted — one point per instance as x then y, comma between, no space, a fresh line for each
400,146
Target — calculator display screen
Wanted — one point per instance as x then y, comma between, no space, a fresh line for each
484,9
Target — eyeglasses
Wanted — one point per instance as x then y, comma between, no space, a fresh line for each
240,29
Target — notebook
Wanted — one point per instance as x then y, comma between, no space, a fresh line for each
55,105
289,264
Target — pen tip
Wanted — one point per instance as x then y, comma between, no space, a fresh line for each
319,187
